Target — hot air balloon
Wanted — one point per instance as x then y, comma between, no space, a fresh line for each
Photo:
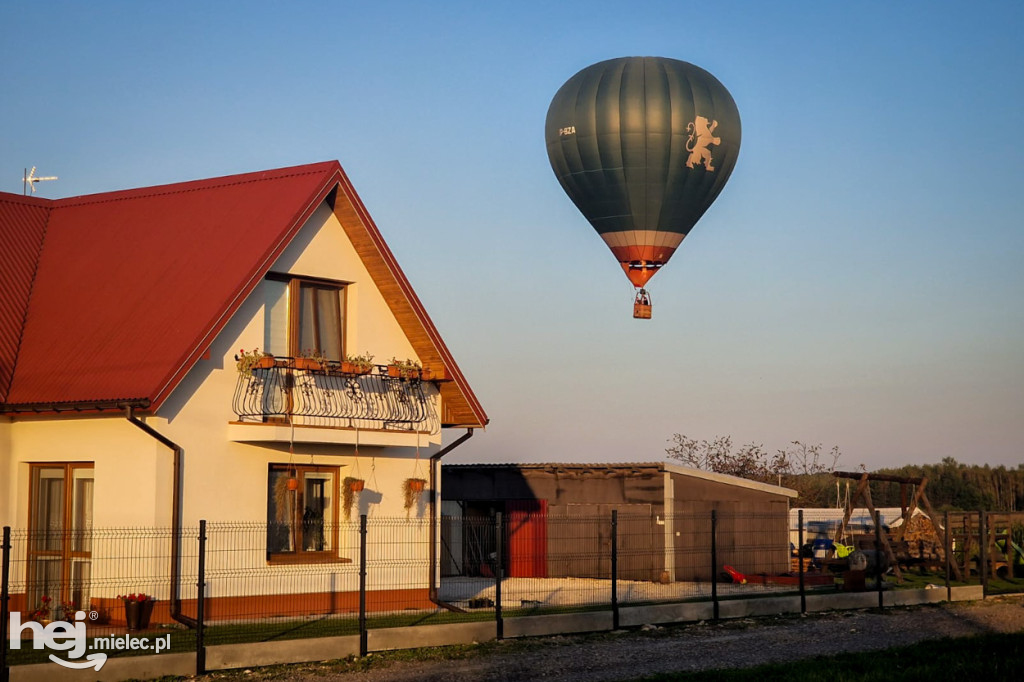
642,146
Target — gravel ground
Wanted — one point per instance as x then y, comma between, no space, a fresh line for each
627,655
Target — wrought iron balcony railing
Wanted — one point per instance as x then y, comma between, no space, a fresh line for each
330,397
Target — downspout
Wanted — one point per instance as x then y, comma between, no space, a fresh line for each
175,600
435,460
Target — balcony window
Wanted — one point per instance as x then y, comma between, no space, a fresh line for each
303,314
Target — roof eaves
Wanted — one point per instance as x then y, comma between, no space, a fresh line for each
76,406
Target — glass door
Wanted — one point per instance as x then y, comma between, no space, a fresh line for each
60,538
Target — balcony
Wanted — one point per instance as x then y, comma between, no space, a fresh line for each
286,393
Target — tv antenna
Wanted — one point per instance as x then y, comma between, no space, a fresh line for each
29,179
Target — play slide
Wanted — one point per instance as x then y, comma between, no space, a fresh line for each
736,576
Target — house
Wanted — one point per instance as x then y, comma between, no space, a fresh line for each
123,403
557,520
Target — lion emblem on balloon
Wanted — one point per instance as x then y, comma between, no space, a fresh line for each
702,136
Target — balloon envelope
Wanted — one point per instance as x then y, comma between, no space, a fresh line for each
643,146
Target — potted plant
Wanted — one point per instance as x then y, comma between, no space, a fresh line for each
248,360
138,608
311,361
412,488
43,613
357,364
405,369
65,610
350,486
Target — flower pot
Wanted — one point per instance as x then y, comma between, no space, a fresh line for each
356,485
352,368
265,363
308,364
416,485
401,373
293,483
138,613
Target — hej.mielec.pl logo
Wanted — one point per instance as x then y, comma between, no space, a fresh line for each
70,637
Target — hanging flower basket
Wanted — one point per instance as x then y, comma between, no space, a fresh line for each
350,486
293,483
412,488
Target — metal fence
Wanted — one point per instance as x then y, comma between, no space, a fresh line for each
221,583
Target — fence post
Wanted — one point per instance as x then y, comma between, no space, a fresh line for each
714,564
363,639
800,559
201,602
983,551
615,569
5,576
499,536
878,556
947,550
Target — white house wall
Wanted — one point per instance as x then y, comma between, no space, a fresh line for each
131,468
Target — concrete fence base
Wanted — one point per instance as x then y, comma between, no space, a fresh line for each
226,656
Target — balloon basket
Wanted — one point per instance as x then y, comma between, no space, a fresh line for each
642,306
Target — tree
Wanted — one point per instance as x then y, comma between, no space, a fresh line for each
800,466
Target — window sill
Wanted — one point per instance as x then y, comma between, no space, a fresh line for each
306,558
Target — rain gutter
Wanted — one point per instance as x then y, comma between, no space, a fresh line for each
175,600
435,460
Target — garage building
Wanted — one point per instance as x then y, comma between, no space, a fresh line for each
557,520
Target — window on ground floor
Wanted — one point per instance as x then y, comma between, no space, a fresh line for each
302,513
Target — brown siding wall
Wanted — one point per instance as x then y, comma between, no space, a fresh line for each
752,533
752,524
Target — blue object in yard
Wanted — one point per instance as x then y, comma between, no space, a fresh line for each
821,547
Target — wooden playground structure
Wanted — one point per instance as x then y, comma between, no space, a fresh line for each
974,542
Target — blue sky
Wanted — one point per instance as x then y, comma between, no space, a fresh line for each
858,282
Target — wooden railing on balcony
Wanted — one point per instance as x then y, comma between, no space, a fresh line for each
330,397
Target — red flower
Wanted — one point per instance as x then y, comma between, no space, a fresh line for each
141,596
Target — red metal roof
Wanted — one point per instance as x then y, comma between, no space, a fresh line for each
22,227
131,287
